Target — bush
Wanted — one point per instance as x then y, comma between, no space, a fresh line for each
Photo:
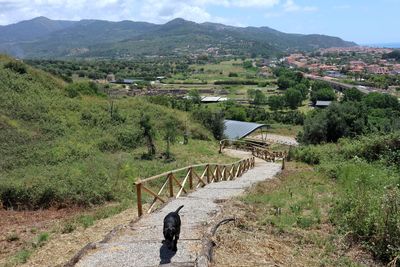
378,100
308,154
129,138
16,66
214,121
369,208
338,120
233,74
109,145
81,88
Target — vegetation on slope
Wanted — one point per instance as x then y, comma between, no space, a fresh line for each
367,177
61,148
286,222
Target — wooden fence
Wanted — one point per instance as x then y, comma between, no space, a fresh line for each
188,178
268,155
258,150
241,144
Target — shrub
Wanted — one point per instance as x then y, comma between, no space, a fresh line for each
109,144
81,88
308,154
368,206
129,138
16,66
12,237
233,74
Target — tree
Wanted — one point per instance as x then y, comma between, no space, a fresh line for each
324,94
247,64
302,88
251,93
195,96
276,102
378,100
148,134
217,125
283,83
338,120
352,94
293,98
214,121
259,98
170,134
237,113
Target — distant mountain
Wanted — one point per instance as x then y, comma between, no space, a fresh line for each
29,30
42,37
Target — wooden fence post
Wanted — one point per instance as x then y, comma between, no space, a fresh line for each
208,173
139,198
191,177
171,185
283,163
225,175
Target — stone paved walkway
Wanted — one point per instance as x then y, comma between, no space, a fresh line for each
141,244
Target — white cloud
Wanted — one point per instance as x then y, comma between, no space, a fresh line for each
157,11
291,6
238,3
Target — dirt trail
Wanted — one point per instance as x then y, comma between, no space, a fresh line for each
140,244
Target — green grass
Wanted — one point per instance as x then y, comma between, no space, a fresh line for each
75,151
22,256
285,129
367,196
293,211
298,202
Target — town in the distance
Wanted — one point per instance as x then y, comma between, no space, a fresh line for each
179,143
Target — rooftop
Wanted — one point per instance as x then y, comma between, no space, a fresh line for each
323,103
240,129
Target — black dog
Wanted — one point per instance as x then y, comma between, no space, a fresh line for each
172,228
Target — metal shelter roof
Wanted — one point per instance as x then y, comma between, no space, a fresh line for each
240,129
213,99
322,103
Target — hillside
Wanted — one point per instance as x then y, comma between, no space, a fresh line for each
64,144
98,38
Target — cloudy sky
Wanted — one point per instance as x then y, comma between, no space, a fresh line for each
362,21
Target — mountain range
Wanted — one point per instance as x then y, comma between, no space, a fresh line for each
45,38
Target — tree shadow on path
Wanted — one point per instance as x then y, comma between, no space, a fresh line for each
166,254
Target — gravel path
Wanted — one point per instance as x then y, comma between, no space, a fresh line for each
280,139
141,243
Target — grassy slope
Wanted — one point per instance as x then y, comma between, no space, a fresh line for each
286,222
328,214
58,150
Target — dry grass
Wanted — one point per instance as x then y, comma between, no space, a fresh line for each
264,237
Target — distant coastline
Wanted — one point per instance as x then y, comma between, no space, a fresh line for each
385,45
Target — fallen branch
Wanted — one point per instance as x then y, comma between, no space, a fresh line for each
215,228
81,253
206,257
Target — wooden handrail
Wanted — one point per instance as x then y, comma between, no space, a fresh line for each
213,172
249,143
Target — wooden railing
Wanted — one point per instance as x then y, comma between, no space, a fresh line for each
240,144
268,155
193,177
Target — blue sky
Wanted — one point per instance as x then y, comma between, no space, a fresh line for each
362,21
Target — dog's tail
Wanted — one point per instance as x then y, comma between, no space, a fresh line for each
177,211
